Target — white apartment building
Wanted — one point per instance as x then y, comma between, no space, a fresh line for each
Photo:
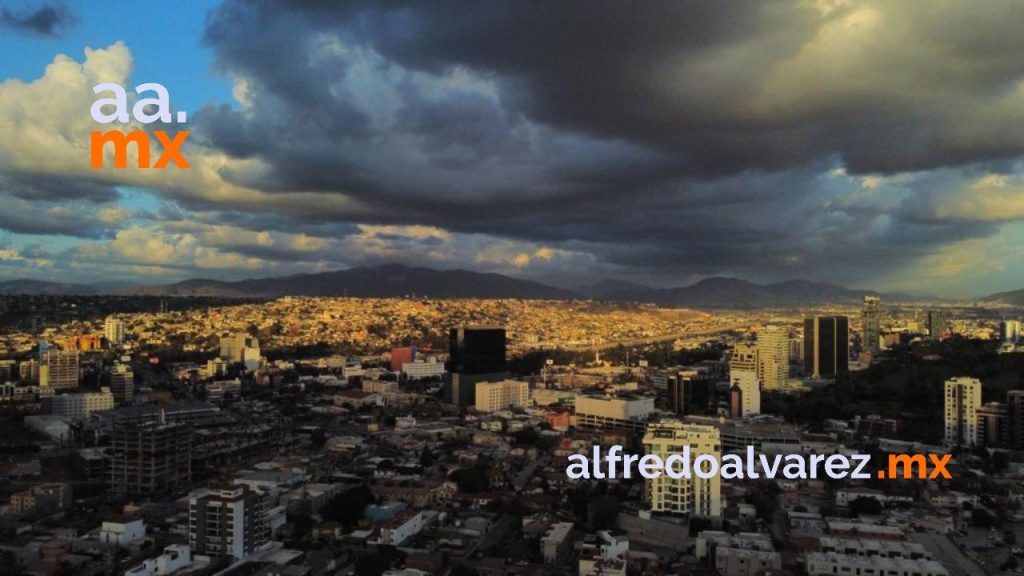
598,412
122,533
694,496
59,369
80,406
494,396
226,522
174,558
423,369
963,398
113,330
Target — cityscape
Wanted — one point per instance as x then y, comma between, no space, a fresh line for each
495,288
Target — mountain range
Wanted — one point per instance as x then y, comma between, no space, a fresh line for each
1014,298
391,280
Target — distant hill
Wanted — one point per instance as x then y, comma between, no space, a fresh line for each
370,281
43,288
720,292
1013,298
610,289
391,280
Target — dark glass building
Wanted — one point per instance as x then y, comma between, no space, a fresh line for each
474,355
826,346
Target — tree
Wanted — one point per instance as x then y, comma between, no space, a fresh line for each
347,508
865,506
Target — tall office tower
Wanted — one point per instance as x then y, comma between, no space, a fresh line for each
744,366
694,496
1009,330
1015,418
474,355
495,396
871,330
826,346
963,398
59,369
993,429
773,357
689,392
113,330
150,457
937,324
240,348
122,383
227,522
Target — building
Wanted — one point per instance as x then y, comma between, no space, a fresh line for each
742,554
122,383
123,532
402,356
226,521
494,396
1009,331
241,348
59,369
744,366
604,412
79,406
474,355
41,500
826,346
423,368
693,496
963,398
830,563
871,329
84,343
773,357
938,323
221,390
150,458
28,371
113,331
380,386
689,392
993,425
174,558
1015,418
401,527
556,544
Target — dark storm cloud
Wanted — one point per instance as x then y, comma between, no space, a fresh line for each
686,138
46,20
51,187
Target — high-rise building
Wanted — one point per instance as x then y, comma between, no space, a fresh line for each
28,371
494,396
693,496
1015,418
773,357
938,322
993,429
871,329
826,346
59,369
227,521
79,406
150,457
689,392
963,398
1009,331
8,371
241,348
122,383
744,366
474,355
113,330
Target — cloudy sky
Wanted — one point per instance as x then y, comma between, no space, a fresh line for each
873,144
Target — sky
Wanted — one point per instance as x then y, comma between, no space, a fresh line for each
872,144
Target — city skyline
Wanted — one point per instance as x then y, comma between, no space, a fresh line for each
660,146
